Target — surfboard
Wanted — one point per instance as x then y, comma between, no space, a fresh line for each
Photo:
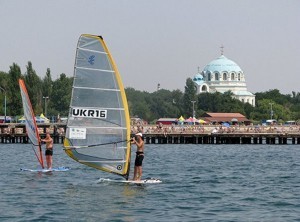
58,169
146,181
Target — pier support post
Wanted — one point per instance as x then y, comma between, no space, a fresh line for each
181,140
255,140
152,140
176,139
147,140
170,139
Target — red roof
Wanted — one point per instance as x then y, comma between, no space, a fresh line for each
232,115
224,117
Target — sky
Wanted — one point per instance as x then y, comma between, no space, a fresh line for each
158,41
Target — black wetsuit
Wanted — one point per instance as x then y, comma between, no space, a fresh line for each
139,158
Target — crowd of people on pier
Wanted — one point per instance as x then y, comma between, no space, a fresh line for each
213,129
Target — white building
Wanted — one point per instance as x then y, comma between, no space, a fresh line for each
221,75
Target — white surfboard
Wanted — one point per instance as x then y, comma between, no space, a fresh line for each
146,181
58,169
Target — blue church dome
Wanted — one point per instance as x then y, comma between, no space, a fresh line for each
222,64
198,78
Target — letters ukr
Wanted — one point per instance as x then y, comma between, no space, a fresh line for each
89,113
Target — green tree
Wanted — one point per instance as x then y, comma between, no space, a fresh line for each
275,95
14,101
3,90
189,95
34,87
47,84
263,111
61,95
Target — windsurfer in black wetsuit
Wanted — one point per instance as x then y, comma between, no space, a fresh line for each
49,150
138,141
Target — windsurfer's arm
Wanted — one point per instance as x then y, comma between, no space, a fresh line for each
46,140
132,140
139,143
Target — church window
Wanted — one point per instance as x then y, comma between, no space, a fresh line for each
224,76
232,76
217,76
239,77
208,77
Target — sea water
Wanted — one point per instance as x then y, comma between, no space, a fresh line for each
200,183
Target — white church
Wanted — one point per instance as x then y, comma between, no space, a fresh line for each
221,75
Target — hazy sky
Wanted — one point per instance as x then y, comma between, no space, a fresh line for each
158,41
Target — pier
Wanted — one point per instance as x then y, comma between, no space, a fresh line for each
243,138
16,133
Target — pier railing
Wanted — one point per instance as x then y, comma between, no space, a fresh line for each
16,132
218,134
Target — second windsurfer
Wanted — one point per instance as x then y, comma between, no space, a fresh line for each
49,150
138,141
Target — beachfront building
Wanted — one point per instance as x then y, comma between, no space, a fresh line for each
221,75
217,118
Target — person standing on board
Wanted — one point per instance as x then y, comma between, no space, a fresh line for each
138,141
49,150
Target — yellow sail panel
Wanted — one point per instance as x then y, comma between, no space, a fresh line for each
98,128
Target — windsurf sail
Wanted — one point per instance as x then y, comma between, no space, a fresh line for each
98,126
30,123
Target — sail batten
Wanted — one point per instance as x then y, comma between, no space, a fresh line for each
104,89
101,161
91,69
98,127
84,147
90,50
93,107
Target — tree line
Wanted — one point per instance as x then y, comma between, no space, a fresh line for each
44,93
56,94
173,104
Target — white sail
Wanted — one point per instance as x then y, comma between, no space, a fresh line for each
30,122
98,127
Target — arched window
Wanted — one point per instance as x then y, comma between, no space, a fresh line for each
208,77
204,88
239,76
224,76
216,76
232,76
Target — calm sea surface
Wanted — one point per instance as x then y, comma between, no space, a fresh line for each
200,183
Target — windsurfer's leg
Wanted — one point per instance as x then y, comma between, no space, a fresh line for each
47,160
135,173
50,162
140,171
